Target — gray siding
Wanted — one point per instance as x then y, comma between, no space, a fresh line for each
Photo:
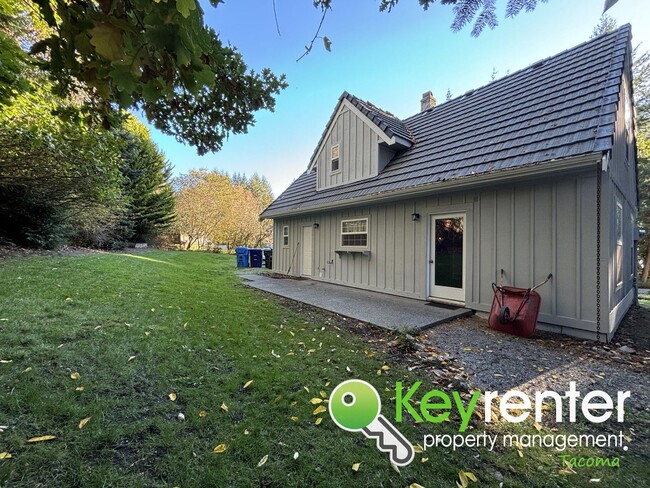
358,151
528,230
620,185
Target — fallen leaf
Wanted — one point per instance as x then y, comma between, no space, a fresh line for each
173,396
424,460
295,419
356,466
318,410
316,400
385,367
6,361
323,394
42,438
219,449
246,432
147,333
318,420
202,413
471,476
464,482
27,370
224,407
418,449
248,383
306,389
131,358
79,388
84,422
5,455
295,455
537,426
263,461
394,466
415,485
75,376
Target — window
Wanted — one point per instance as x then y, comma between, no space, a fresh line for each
335,159
629,115
354,233
619,245
285,235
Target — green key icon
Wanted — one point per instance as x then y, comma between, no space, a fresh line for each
355,406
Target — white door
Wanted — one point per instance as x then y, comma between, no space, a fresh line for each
447,245
307,250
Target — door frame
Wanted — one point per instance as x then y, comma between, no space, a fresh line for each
461,298
302,250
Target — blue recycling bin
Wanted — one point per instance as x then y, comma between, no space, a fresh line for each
256,258
242,257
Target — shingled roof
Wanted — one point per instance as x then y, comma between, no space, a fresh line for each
560,107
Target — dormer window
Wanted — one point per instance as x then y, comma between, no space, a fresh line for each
335,159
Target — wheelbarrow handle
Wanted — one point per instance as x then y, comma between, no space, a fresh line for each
550,275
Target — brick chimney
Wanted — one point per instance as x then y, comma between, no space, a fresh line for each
427,102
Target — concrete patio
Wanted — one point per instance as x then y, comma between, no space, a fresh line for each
387,311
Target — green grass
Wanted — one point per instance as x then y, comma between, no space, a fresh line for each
139,327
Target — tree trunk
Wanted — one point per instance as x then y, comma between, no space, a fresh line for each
646,268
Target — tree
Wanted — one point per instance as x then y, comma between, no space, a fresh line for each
56,174
149,206
156,56
605,25
261,231
202,202
215,208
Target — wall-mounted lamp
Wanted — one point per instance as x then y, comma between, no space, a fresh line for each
415,216
315,226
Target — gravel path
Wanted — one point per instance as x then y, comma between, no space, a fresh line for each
497,361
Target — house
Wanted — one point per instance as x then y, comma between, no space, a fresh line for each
532,174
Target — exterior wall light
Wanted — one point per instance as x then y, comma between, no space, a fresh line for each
316,226
415,216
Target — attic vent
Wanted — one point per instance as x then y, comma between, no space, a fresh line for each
469,93
538,64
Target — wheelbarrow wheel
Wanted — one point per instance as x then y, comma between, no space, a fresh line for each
504,315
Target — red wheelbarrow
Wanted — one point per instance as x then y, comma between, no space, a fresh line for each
515,310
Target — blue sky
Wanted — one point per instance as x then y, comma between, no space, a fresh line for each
389,59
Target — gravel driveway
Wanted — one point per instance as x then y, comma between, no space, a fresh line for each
498,361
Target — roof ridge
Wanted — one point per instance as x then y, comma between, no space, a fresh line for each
539,62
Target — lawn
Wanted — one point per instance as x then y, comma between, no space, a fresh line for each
128,343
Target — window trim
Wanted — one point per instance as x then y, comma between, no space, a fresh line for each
619,244
343,247
337,159
285,236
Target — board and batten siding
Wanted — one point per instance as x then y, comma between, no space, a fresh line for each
529,230
358,151
620,186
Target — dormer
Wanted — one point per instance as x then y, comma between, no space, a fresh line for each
359,141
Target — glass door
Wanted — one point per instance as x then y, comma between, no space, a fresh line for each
447,257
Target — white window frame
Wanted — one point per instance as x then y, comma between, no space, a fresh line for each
629,127
366,233
619,239
285,236
337,159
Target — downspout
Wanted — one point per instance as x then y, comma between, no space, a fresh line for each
599,185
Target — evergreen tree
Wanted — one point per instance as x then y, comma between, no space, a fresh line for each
149,199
